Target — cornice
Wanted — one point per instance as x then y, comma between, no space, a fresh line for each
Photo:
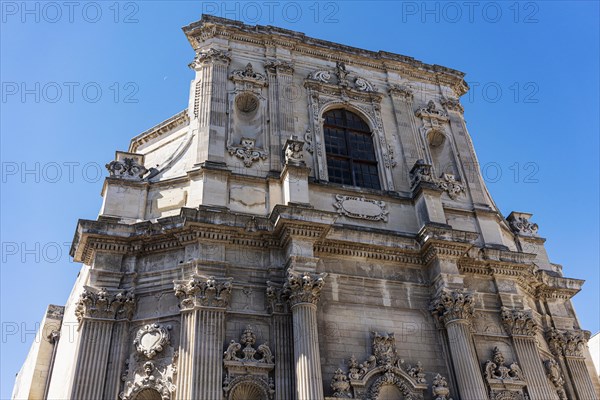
168,125
211,26
347,249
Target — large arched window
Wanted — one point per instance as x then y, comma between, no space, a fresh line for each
350,151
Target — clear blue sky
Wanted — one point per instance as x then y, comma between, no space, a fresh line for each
532,113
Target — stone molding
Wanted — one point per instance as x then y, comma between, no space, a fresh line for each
519,322
203,292
304,287
453,305
103,305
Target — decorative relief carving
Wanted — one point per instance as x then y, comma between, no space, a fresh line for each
361,208
401,91
151,339
556,377
567,343
431,112
104,305
127,166
421,172
209,56
246,370
518,322
277,298
151,376
343,78
294,151
247,152
308,139
453,305
383,367
275,66
505,382
453,104
203,292
304,287
248,75
439,388
520,224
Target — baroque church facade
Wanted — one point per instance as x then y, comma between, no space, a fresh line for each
313,226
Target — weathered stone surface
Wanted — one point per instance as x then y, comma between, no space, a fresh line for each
230,218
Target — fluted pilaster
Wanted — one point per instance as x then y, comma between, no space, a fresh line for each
209,103
304,290
402,102
116,360
522,327
96,312
282,339
203,302
454,309
281,113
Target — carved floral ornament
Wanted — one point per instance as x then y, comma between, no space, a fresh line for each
209,56
248,368
247,151
154,376
151,339
520,224
567,343
556,377
294,151
341,77
518,322
422,172
126,168
248,75
203,292
361,208
385,367
505,382
453,305
100,304
303,287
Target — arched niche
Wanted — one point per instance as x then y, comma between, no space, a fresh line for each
442,156
148,394
249,389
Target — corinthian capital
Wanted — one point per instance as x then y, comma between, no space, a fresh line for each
567,343
274,66
452,305
203,292
518,322
208,57
100,304
304,287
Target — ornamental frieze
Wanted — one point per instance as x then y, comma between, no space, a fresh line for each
203,292
101,304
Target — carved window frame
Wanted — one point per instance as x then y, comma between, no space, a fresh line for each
323,97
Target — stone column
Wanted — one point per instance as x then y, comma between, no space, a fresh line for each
569,346
203,303
282,339
304,290
454,309
523,329
208,113
96,312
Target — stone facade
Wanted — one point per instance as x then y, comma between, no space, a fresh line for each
226,263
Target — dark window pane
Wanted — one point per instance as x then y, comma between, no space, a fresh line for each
350,151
